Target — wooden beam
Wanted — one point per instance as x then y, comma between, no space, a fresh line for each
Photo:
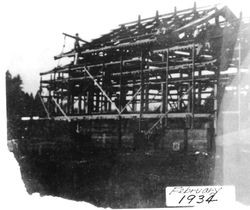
75,37
142,90
171,14
166,85
193,84
130,116
171,67
99,86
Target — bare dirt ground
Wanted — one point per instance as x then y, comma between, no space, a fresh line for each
118,180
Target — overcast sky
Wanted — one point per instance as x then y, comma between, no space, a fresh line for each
32,30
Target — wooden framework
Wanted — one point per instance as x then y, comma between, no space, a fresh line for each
155,69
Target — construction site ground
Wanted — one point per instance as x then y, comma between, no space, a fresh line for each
124,179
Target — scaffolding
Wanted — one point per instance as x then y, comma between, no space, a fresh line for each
162,72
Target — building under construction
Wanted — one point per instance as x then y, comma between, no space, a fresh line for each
155,82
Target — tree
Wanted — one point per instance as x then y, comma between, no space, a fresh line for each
19,104
37,104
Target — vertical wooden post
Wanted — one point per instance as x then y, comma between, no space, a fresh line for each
80,100
147,93
69,94
76,58
134,91
189,96
61,104
72,101
105,83
109,104
68,99
97,102
195,7
193,85
199,91
105,103
87,102
84,103
49,99
90,98
166,84
239,85
139,19
54,93
57,92
180,92
216,92
101,108
163,89
121,83
163,101
215,99
120,104
157,15
142,90
164,98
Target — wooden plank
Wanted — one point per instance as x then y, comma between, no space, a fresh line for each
122,45
142,89
129,116
198,21
75,37
174,13
177,47
167,82
67,69
193,84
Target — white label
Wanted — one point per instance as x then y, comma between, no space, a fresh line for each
176,146
199,195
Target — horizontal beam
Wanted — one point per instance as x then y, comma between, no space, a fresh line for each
170,14
171,67
75,37
156,81
177,47
122,45
67,68
130,116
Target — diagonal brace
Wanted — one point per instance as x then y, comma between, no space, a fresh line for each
61,109
137,92
45,108
104,93
158,121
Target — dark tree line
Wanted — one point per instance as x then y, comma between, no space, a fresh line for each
19,104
